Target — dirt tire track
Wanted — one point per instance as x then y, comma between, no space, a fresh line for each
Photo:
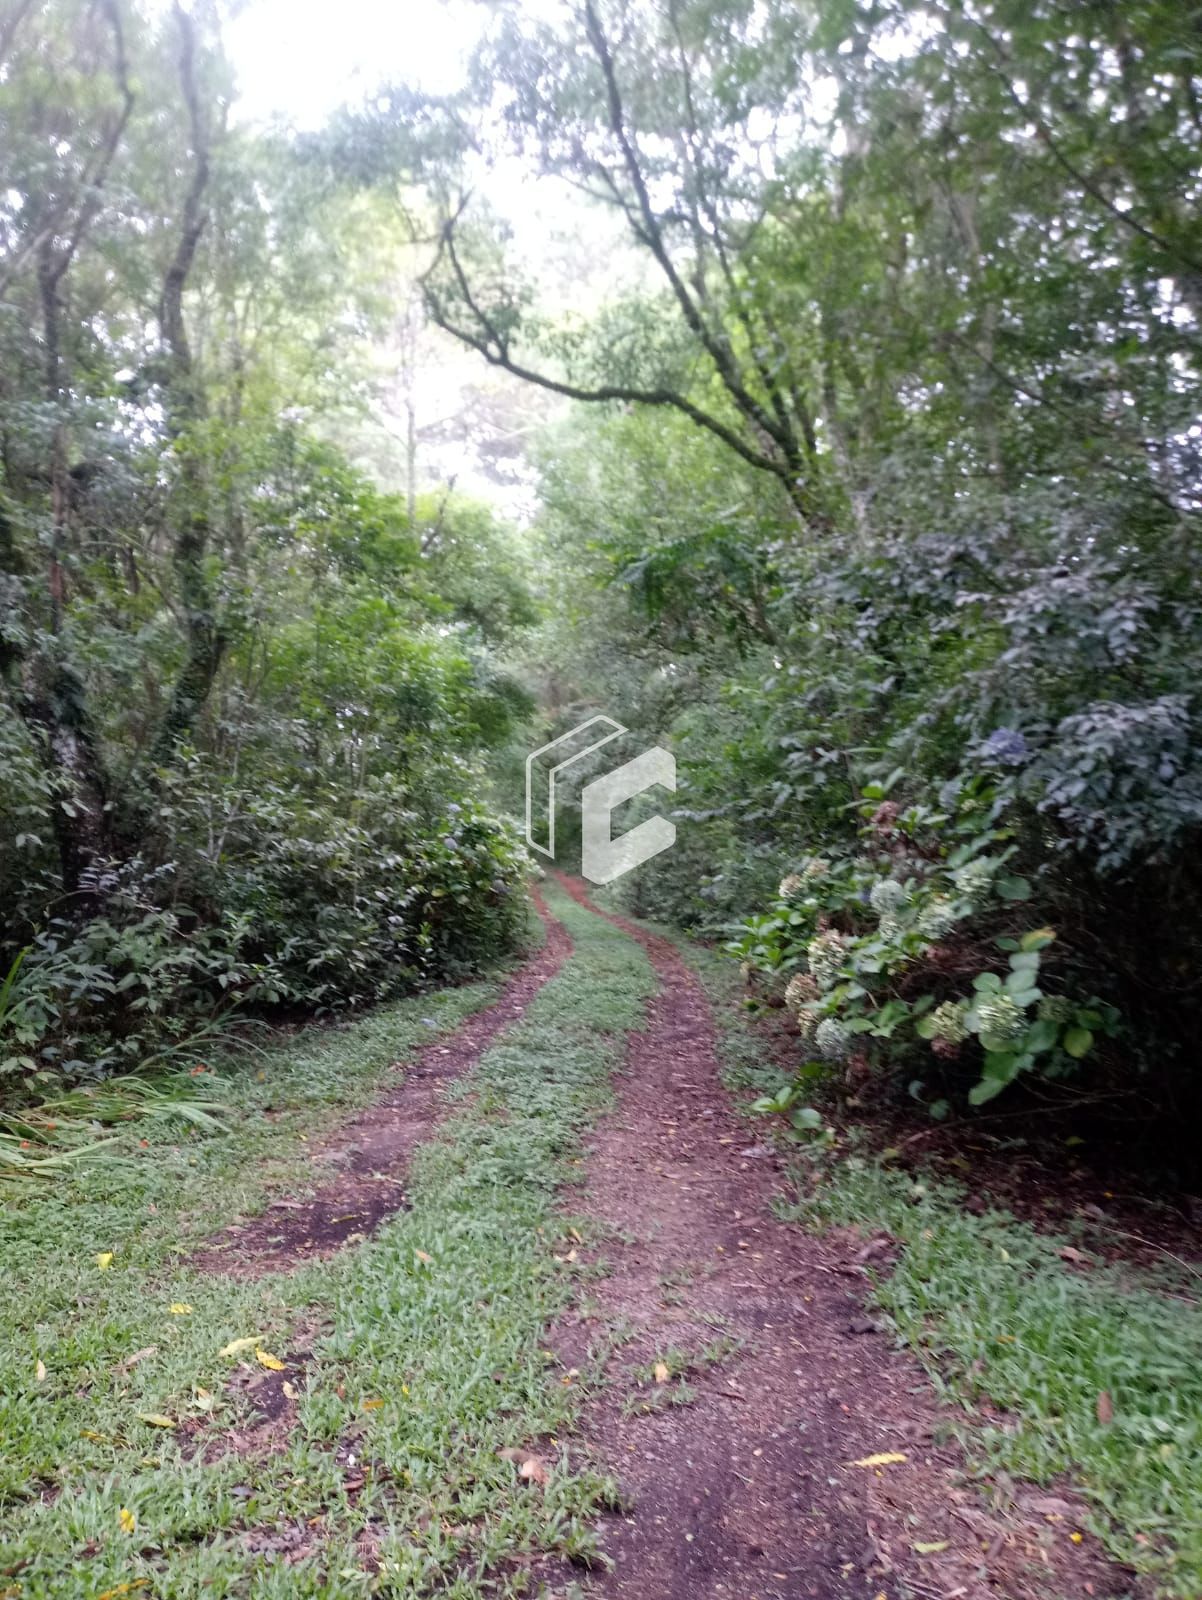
372,1151
750,1492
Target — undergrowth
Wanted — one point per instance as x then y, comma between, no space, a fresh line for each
414,1359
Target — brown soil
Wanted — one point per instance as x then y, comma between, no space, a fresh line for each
743,1471
371,1153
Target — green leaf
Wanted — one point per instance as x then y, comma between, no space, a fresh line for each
1041,1035
1078,1042
1037,939
1014,889
985,1090
987,983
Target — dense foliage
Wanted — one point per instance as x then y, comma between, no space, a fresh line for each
891,482
244,692
879,503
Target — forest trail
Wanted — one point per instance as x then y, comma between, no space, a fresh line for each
371,1153
748,1393
527,1324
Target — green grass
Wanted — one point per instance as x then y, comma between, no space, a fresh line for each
420,1351
997,1317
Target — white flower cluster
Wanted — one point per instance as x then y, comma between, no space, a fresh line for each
948,1022
807,1023
825,954
937,917
973,878
791,886
999,1017
832,1040
800,988
887,897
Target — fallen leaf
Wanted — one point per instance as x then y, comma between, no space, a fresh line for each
661,1372
289,1390
1068,1253
372,1405
39,1372
180,1308
127,1519
931,1549
156,1419
124,1588
272,1363
423,1257
886,1459
237,1346
138,1355
1105,1407
104,1260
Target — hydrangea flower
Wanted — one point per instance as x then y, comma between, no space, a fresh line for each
790,886
887,897
807,1024
999,1017
800,988
815,867
948,1022
973,878
825,954
892,926
937,917
832,1040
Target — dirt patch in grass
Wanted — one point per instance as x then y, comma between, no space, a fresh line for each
369,1155
769,1440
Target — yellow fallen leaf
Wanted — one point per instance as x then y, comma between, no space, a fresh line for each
180,1308
123,1588
1076,1537
423,1257
885,1459
156,1419
237,1346
96,1438
39,1372
289,1390
931,1549
661,1372
127,1519
372,1405
272,1363
104,1260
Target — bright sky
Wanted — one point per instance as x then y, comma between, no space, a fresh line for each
301,59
